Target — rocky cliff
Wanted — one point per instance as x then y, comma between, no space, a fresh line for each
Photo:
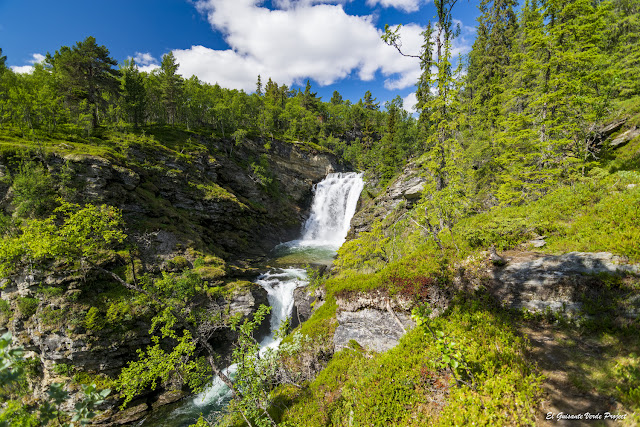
227,205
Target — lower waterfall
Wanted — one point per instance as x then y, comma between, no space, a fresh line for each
334,204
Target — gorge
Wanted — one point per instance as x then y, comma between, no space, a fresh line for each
334,204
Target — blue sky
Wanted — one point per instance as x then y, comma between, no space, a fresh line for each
333,43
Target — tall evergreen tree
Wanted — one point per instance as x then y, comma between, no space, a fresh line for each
134,92
489,60
170,85
622,45
336,98
86,73
3,60
370,102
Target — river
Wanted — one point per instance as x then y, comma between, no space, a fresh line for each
334,204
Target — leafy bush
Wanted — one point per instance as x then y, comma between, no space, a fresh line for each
94,320
86,232
27,306
34,191
118,312
5,312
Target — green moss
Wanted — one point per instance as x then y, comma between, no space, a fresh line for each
94,320
5,312
407,385
54,318
178,263
27,306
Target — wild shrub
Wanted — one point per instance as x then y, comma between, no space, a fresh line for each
94,320
27,306
33,191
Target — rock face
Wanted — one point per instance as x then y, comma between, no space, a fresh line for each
625,137
374,320
198,200
404,191
173,205
304,303
539,282
373,329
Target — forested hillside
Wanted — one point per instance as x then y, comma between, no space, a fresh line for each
135,207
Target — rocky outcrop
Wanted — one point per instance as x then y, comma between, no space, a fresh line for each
403,192
559,283
201,199
175,205
625,137
305,302
374,320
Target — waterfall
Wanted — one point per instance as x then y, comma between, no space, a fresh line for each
334,204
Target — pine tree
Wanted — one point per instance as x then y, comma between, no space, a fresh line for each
489,60
259,86
133,92
86,73
622,45
336,98
370,102
3,60
309,99
170,86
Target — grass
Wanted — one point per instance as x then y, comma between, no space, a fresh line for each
593,215
407,385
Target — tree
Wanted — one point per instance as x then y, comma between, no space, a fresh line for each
3,60
133,92
309,99
170,85
622,44
336,98
86,73
443,197
259,86
13,391
370,102
489,60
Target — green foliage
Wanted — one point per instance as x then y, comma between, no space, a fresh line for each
14,412
5,312
94,320
86,233
254,372
594,215
155,366
118,312
27,306
86,73
34,191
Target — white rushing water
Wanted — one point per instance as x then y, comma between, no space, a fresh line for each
334,204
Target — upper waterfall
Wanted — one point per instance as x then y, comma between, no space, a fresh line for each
334,204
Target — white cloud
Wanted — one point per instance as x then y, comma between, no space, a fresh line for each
409,102
36,58
145,61
406,5
300,40
290,4
22,69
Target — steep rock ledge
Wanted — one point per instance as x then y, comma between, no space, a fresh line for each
173,205
403,192
374,320
558,283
